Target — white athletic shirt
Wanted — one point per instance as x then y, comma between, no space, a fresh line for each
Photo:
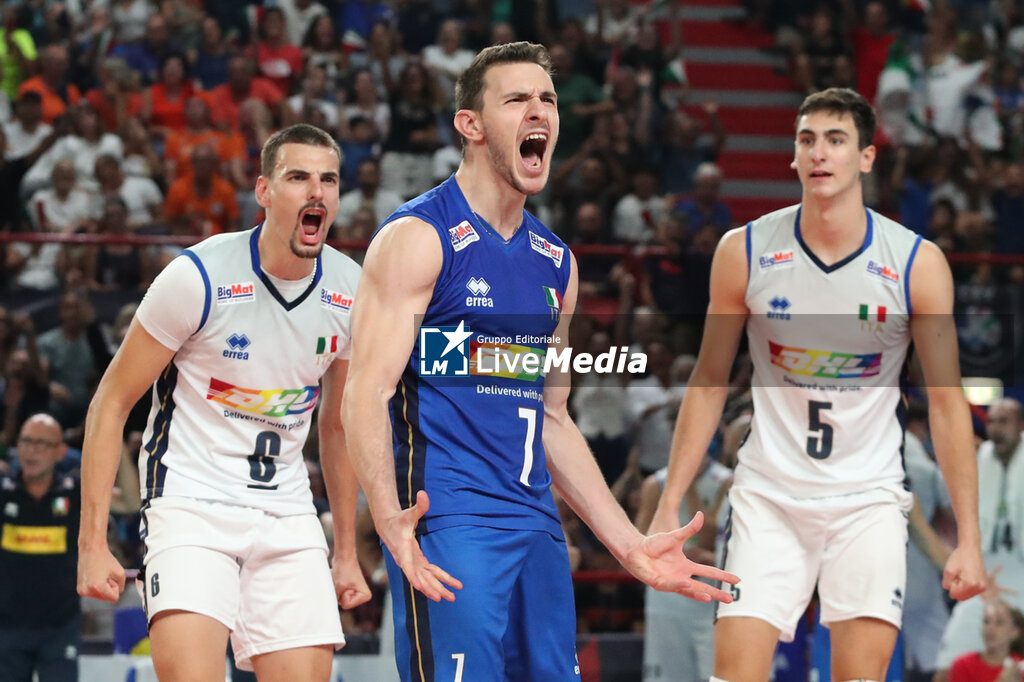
828,345
1001,515
232,410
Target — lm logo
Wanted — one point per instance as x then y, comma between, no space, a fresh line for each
236,293
237,343
444,351
779,306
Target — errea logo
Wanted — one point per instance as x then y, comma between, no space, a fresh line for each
237,345
780,306
479,287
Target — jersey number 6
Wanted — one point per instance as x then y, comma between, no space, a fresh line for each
261,461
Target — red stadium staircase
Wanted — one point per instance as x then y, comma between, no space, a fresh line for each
729,61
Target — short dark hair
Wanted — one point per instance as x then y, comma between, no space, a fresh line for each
470,86
180,56
300,133
844,101
30,97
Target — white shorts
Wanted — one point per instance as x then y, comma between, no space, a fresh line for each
781,547
265,577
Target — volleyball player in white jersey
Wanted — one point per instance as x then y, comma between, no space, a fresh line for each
832,294
242,335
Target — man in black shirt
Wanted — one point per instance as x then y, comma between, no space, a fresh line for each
39,605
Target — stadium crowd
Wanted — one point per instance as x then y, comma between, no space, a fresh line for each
137,117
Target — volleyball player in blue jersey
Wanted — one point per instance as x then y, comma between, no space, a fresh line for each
456,459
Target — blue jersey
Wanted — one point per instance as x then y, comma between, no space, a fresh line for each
467,418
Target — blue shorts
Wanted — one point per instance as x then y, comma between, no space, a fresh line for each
514,618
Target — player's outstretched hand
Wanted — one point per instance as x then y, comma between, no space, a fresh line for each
964,575
349,583
100,576
659,561
399,535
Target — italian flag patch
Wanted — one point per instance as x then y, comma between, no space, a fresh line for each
872,313
326,344
553,297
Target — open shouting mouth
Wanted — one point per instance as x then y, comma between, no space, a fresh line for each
311,221
532,149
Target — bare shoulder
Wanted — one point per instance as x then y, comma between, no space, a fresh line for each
729,273
406,249
931,282
734,238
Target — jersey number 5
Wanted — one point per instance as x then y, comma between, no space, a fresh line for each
819,440
261,461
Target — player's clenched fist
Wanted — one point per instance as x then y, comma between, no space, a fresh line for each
100,576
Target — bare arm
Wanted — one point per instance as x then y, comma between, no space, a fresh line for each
135,367
399,272
717,131
925,537
657,560
342,490
934,335
708,389
572,467
650,493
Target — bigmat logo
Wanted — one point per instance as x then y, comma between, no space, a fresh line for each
279,402
541,245
883,272
825,363
239,292
335,300
775,259
462,235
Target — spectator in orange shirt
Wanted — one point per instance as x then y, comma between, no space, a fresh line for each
280,62
115,99
226,100
52,83
229,145
163,103
204,200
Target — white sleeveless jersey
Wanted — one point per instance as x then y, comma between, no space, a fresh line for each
828,345
232,410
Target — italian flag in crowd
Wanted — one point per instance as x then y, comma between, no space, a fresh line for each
326,344
553,297
872,313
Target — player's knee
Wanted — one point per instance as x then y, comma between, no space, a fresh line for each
188,669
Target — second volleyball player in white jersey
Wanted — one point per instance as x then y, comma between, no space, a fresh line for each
832,295
241,336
